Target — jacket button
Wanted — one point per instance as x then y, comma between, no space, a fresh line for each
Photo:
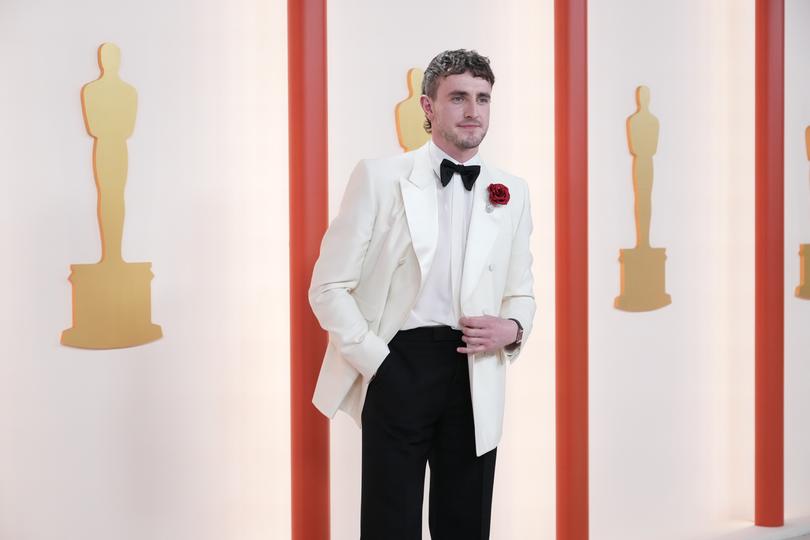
401,261
491,267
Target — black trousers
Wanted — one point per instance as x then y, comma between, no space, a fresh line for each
417,410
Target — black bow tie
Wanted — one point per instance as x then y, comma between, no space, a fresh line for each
468,173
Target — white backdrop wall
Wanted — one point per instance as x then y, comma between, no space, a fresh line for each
672,390
187,437
797,230
371,47
672,399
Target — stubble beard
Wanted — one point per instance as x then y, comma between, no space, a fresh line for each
463,143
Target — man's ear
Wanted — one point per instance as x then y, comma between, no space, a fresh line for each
427,106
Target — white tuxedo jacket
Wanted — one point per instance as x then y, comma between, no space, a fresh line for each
374,257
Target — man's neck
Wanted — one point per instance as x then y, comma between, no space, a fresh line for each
462,155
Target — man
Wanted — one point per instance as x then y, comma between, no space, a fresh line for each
424,284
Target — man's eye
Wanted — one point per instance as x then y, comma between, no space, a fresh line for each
456,99
483,100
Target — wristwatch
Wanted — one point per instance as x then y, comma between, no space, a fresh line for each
515,344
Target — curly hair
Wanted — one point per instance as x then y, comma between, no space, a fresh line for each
454,63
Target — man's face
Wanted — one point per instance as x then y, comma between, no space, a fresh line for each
460,112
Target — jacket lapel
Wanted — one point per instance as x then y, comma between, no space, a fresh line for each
484,227
421,209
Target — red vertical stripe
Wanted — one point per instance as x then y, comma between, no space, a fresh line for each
571,132
769,350
306,27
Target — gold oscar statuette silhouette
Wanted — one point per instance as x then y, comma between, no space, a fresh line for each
409,114
803,290
643,285
111,299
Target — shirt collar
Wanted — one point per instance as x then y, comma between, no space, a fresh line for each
437,155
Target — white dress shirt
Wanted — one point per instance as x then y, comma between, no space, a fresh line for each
438,302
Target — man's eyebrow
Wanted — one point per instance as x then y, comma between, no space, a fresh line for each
464,93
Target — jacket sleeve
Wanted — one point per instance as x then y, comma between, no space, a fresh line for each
337,272
518,300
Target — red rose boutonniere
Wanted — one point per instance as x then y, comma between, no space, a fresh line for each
498,195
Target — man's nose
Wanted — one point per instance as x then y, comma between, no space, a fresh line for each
471,110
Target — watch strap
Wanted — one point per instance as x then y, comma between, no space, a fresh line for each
515,344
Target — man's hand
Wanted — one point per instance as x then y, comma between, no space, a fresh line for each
486,333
